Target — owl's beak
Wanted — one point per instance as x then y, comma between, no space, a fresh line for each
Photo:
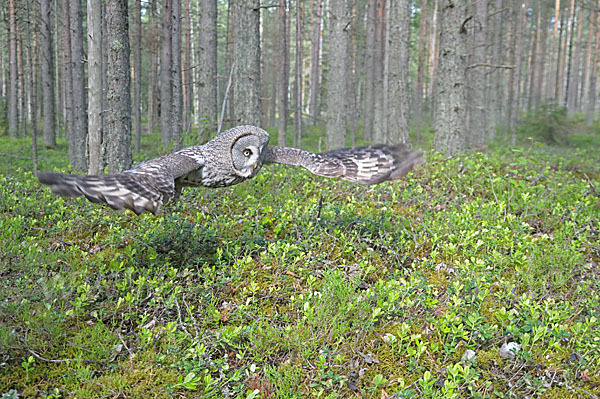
255,166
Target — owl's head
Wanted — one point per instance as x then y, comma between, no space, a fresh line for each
248,151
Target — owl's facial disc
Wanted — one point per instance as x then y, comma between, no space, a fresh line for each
247,155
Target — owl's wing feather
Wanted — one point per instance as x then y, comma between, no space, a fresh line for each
366,165
144,188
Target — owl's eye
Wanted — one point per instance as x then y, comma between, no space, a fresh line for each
247,152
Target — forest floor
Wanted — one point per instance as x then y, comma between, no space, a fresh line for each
292,285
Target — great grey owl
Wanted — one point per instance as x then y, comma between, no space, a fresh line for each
229,158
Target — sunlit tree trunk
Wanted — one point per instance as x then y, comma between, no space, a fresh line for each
421,68
177,100
520,18
298,79
186,71
591,105
477,86
575,64
370,66
66,67
153,68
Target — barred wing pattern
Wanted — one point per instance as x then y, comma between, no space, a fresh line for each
145,188
366,165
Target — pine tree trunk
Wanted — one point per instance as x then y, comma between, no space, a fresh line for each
137,73
78,137
13,119
284,70
398,66
186,66
591,104
370,62
67,76
585,79
298,79
520,16
207,68
166,86
118,85
94,22
246,55
315,61
177,104
153,69
541,58
47,72
575,63
22,86
450,112
337,46
477,83
421,65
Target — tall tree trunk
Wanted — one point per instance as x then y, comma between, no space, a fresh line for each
585,79
298,79
22,86
380,92
118,85
34,96
153,36
166,65
398,66
591,104
246,56
575,63
47,72
315,61
78,138
567,46
370,66
13,121
478,105
207,68
67,67
337,46
137,72
541,57
284,70
421,67
520,16
186,66
434,56
177,104
449,121
95,78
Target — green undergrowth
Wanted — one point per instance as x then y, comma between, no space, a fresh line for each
291,285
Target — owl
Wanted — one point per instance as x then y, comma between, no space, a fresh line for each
229,158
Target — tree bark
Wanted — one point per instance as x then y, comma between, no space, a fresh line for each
449,121
575,63
421,67
177,104
13,119
337,46
246,56
79,133
398,66
207,68
315,61
370,66
591,104
67,67
298,79
137,73
153,36
118,104
186,68
166,86
47,72
477,102
95,78
520,16
284,70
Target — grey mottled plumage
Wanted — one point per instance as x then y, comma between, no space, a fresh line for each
230,158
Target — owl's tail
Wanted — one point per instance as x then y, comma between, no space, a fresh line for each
119,191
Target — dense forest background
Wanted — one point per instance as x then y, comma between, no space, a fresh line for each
102,73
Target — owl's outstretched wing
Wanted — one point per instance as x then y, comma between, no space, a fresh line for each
145,188
367,165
